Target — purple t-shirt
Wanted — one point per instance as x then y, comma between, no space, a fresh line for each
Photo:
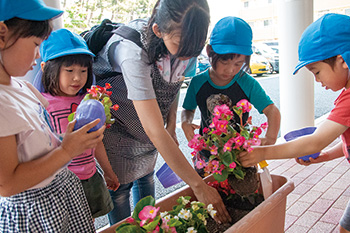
84,165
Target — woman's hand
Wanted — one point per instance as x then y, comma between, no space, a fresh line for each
76,142
209,195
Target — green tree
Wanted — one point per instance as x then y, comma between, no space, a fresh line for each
81,15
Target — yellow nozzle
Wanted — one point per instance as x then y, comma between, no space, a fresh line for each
263,164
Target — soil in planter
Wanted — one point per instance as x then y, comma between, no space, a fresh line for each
248,185
237,208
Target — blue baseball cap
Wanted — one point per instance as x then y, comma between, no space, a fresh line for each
63,42
35,10
327,37
232,35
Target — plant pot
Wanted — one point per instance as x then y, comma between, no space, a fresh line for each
268,217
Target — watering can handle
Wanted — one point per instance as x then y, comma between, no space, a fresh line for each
263,164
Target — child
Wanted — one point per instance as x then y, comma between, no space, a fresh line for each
37,192
146,91
67,73
324,49
226,82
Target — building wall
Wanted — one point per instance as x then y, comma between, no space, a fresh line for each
262,15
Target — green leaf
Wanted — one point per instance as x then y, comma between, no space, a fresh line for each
149,200
226,158
221,178
129,228
245,134
239,174
152,225
71,117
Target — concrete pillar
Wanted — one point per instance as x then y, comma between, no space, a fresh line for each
296,91
56,23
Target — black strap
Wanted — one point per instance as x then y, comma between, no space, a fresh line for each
130,34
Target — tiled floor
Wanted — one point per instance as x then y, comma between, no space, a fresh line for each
320,196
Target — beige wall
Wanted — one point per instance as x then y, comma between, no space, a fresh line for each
260,11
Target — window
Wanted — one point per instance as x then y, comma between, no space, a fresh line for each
269,1
246,4
267,22
347,11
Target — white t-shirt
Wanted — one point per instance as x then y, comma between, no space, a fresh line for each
23,114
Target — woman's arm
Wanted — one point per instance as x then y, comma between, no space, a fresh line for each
273,120
326,133
171,120
109,175
15,177
151,120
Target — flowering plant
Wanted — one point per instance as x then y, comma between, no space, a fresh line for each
225,140
185,217
102,95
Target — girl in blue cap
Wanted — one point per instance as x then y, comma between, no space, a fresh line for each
147,91
67,73
37,192
227,82
324,49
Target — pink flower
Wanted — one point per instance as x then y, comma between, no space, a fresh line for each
246,106
247,145
156,230
222,111
264,125
148,212
219,125
239,140
197,143
215,164
130,220
233,165
173,230
205,130
227,146
213,150
200,164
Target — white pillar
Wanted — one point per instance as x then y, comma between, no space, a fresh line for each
296,91
56,23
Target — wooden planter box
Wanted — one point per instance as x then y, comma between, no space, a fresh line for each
268,217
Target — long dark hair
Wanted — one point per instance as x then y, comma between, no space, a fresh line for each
51,72
191,17
22,28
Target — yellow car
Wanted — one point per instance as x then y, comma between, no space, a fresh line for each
259,65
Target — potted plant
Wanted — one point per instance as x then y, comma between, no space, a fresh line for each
225,139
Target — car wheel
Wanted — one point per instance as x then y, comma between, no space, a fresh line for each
271,69
259,75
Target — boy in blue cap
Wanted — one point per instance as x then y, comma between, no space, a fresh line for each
37,191
226,82
324,49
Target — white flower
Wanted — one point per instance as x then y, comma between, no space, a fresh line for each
210,207
162,214
195,207
195,202
167,217
176,217
185,214
211,210
191,230
184,201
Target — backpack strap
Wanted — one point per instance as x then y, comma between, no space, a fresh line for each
130,34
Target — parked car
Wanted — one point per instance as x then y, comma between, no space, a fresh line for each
273,45
259,65
269,54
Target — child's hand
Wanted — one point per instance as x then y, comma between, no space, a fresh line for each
189,129
321,158
112,181
75,143
249,159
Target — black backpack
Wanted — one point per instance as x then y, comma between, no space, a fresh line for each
98,35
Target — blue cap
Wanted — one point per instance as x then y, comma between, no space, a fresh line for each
63,42
232,35
327,37
27,9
